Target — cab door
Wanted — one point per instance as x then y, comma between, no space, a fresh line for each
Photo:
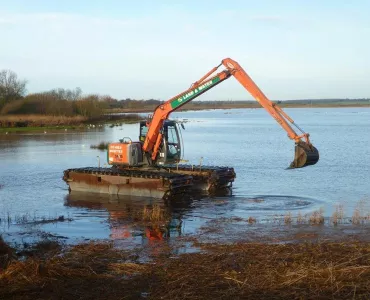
172,142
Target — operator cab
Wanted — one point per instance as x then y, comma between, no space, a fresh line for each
170,149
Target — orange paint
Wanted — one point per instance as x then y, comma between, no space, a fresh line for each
117,153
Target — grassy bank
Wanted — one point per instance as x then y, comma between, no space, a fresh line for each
25,123
323,270
10,121
37,122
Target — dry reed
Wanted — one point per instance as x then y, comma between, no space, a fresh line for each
288,218
251,220
238,271
317,217
39,120
338,215
154,214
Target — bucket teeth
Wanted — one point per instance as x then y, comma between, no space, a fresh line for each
305,155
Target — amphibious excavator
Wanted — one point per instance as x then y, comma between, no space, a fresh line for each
151,166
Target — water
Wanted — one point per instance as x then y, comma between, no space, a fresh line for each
31,170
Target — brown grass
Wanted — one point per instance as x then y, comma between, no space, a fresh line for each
260,271
357,217
361,213
87,271
34,120
7,254
300,218
39,120
317,217
239,271
156,213
288,218
338,215
251,220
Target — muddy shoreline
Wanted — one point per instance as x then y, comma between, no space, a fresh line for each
267,261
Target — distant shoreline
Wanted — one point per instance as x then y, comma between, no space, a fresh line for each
55,123
238,106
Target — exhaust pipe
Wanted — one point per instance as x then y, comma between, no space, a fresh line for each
305,155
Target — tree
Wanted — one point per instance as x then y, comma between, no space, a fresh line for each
66,94
11,88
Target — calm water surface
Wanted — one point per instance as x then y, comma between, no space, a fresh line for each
31,169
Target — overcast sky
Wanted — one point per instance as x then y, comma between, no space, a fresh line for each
156,49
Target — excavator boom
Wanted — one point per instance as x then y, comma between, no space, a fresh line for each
161,113
305,153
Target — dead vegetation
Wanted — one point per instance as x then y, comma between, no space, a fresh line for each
260,271
101,146
338,215
7,254
86,271
360,216
39,120
317,217
239,271
251,220
155,213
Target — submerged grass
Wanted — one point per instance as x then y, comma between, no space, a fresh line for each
27,218
359,217
155,213
100,146
239,271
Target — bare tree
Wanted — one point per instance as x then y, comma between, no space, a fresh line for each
11,88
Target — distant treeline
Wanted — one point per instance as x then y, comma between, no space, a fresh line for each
70,103
64,102
58,102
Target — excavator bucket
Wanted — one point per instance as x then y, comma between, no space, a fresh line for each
305,155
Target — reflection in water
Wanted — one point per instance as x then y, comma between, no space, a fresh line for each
134,221
136,217
26,139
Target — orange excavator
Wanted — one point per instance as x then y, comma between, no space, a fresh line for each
159,138
151,166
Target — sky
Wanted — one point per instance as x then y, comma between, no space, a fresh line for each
155,49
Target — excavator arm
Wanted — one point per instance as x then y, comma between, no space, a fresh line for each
305,153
